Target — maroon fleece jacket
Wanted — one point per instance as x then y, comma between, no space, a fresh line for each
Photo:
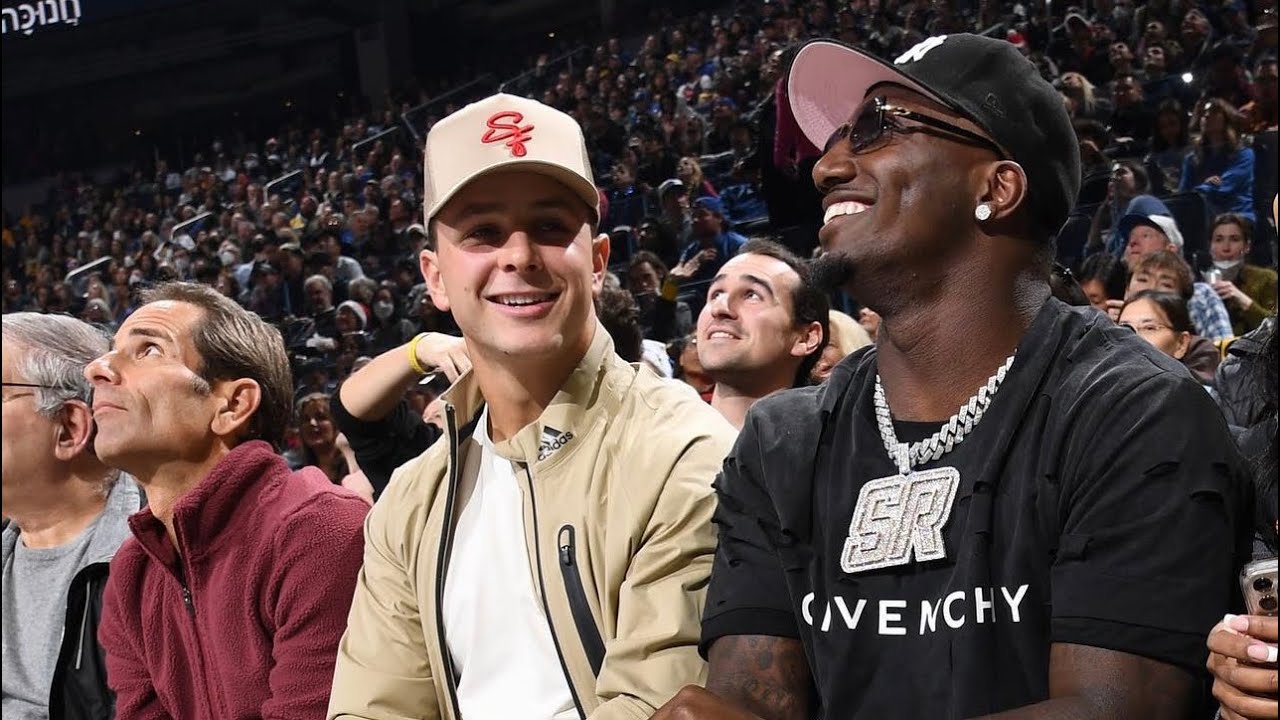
244,619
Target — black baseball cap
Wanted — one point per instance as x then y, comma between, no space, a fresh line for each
984,79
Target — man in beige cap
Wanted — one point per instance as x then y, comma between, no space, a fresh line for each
549,559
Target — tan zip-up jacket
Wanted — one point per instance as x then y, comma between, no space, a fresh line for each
616,480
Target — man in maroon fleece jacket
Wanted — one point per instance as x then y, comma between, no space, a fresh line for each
230,599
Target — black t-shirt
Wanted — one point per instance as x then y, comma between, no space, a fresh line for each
1100,502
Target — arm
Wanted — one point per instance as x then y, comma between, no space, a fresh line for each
381,446
383,671
670,316
373,392
1259,309
318,550
758,668
769,676
655,648
127,674
1236,180
1209,313
1100,224
1187,181
1244,666
1130,599
1091,683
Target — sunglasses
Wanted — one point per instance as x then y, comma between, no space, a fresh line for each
879,120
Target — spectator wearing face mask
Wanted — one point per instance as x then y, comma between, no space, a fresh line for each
1150,227
389,327
1248,291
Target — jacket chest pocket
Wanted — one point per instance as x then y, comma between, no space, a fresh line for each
583,619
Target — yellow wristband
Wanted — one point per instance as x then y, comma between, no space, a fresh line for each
413,354
670,289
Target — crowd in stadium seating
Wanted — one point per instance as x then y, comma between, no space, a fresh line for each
691,153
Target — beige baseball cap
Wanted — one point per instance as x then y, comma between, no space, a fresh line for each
504,132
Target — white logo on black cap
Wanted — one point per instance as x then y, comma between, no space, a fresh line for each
922,48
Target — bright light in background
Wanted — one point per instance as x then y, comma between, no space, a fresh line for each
1187,78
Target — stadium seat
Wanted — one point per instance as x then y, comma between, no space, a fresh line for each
1093,189
1075,234
1192,213
744,206
717,167
1265,157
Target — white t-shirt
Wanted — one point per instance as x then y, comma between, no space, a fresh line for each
495,627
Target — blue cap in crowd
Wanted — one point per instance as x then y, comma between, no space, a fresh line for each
710,204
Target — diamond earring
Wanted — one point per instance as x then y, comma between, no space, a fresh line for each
982,212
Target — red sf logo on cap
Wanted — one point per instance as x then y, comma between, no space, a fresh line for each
505,126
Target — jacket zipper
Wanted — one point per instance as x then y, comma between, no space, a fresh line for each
189,601
442,559
84,622
57,706
542,591
588,631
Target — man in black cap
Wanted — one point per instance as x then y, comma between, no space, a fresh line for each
1055,549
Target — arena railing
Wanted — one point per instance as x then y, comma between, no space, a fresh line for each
415,118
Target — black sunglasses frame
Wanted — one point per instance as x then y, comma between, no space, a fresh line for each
862,138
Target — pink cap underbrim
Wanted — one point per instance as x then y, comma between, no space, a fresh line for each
828,81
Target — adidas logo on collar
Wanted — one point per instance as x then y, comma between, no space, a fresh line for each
552,440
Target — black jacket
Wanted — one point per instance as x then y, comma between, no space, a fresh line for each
79,690
1239,394
383,445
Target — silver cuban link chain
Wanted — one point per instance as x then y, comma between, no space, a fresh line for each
950,435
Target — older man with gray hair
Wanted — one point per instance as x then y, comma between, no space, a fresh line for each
67,516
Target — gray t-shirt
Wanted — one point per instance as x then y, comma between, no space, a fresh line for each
33,599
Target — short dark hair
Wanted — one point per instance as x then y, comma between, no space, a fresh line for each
644,257
1173,306
809,302
234,343
1087,129
1107,269
620,316
1141,180
1063,285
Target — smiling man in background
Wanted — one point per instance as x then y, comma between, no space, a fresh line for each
762,329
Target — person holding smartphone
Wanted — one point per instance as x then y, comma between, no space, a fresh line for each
1242,648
